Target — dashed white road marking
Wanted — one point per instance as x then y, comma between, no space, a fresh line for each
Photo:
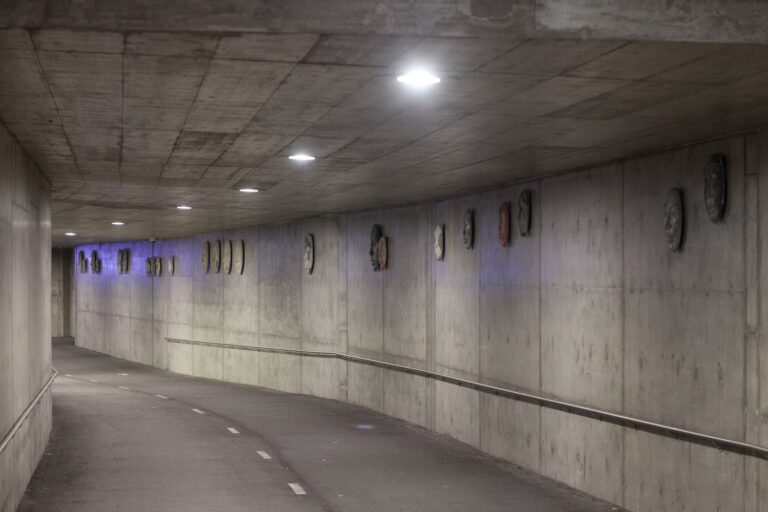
123,374
297,488
123,387
198,411
92,380
264,455
162,396
67,374
233,430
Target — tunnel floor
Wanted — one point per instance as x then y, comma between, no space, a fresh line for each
132,438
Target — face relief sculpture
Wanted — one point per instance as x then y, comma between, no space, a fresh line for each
504,218
373,253
205,256
524,212
469,229
715,187
673,219
381,252
309,253
238,255
440,242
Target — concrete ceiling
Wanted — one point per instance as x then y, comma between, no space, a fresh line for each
129,124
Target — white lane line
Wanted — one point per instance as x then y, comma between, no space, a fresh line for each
297,488
264,455
123,387
233,430
92,380
198,411
67,374
162,396
123,374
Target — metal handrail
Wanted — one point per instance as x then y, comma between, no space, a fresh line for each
24,415
720,443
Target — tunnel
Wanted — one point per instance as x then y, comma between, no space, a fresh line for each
383,256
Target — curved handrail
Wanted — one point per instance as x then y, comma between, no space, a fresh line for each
24,415
543,401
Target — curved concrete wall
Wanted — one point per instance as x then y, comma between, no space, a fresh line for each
25,316
591,308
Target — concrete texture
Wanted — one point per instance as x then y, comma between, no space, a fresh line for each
62,270
590,308
686,20
25,316
132,122
116,445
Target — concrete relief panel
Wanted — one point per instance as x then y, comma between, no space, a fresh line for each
238,256
715,184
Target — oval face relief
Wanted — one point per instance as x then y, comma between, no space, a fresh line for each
171,265
468,230
226,256
238,255
440,242
205,256
373,252
673,219
149,267
524,213
504,231
715,187
381,252
309,253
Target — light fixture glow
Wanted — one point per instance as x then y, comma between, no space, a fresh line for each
301,157
183,207
418,78
69,233
249,190
118,223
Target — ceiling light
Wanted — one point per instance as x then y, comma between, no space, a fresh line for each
418,78
249,190
301,157
183,207
118,223
69,233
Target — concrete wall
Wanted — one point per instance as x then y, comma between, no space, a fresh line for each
591,308
61,292
25,315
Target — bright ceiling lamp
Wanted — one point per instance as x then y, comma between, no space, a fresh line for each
69,233
418,78
183,207
249,190
302,157
118,223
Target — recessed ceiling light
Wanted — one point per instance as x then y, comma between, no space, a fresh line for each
301,157
249,190
418,78
69,233
183,207
118,223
